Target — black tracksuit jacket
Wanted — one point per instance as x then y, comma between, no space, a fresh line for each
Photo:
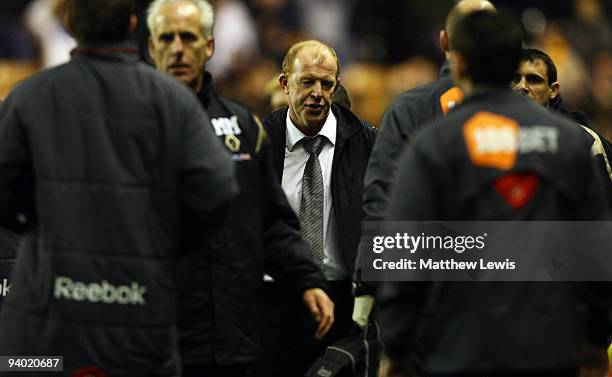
408,114
489,328
220,289
122,167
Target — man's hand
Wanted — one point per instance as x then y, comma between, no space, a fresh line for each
362,309
321,308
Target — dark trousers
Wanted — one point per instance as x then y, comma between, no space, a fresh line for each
288,330
214,370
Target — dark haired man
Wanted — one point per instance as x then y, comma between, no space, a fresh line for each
500,157
219,299
536,78
123,173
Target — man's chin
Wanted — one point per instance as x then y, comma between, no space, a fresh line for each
182,78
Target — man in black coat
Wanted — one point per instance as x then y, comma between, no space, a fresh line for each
122,171
219,301
331,226
497,157
408,113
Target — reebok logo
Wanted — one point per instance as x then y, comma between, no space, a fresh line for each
103,292
5,288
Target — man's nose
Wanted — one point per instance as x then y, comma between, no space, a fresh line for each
317,90
177,44
521,86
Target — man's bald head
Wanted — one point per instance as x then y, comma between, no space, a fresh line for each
310,78
461,9
317,48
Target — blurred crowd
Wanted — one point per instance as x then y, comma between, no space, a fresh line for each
384,47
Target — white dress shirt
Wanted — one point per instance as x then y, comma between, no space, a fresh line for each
295,163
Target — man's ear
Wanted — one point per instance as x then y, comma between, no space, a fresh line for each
133,23
282,80
554,90
444,41
151,48
210,47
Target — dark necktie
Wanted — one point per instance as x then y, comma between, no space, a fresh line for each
311,205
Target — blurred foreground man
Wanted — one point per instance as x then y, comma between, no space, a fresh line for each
220,290
320,153
408,113
122,170
497,157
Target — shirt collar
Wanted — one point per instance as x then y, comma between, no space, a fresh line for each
294,135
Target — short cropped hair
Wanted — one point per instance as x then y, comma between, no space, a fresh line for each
98,21
207,14
491,45
293,52
533,54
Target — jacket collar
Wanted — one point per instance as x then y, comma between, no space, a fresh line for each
445,70
348,124
118,51
500,94
206,93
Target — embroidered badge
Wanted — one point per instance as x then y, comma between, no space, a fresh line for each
232,142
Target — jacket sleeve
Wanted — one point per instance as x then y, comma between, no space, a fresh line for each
397,126
401,307
417,194
287,258
15,165
404,306
382,166
595,203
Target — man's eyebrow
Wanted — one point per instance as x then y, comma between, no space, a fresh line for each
535,75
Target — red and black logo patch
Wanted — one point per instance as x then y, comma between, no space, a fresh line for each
517,189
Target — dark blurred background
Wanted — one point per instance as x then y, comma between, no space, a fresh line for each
385,47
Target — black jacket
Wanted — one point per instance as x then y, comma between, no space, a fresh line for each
9,240
601,149
119,155
219,291
352,150
408,113
449,173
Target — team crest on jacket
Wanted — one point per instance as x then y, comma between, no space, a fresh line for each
232,142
